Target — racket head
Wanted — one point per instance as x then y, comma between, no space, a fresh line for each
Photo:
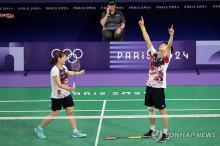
110,138
76,65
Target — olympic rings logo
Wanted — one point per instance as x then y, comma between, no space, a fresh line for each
75,54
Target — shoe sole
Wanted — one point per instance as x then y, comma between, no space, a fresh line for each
162,141
79,136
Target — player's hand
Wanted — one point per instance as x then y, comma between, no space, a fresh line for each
141,22
107,11
82,72
9,15
66,81
171,30
71,89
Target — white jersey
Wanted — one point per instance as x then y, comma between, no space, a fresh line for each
157,70
61,73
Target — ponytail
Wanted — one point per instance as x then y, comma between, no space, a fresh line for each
53,61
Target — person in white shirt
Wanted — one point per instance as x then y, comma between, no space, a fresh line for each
156,83
61,94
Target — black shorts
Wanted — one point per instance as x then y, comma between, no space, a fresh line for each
155,97
65,102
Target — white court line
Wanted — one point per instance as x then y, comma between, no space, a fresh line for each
100,123
200,99
40,100
183,99
116,117
41,111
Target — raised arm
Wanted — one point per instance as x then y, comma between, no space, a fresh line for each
104,17
145,34
170,42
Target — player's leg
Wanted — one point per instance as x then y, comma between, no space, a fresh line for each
165,135
70,113
68,105
55,108
49,118
160,104
149,102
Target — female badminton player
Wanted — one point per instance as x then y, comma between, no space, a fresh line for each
156,83
61,94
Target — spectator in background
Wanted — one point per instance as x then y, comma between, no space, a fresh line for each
113,23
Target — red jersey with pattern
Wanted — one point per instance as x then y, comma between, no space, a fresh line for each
157,69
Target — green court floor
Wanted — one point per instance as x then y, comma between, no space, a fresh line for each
123,114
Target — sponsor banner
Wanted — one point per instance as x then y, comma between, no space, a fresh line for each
35,56
208,52
133,55
92,55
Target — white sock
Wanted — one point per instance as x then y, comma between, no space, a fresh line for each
152,127
40,127
75,130
165,131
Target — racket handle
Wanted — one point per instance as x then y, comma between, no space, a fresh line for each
74,85
135,137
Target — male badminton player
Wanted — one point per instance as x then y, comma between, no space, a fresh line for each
61,94
156,83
